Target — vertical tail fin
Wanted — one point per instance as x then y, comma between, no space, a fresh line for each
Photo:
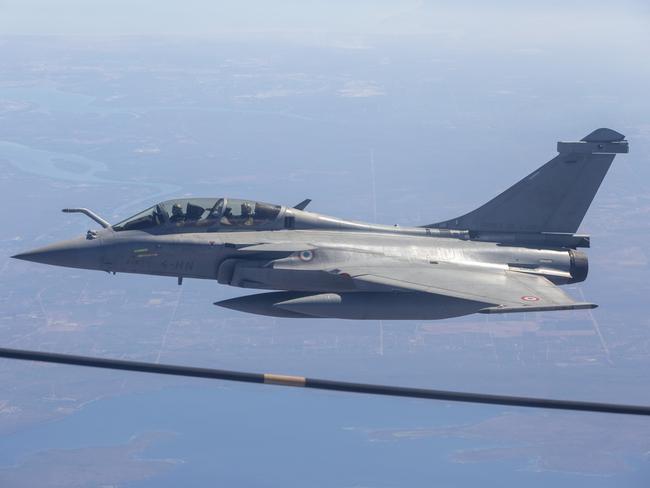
555,197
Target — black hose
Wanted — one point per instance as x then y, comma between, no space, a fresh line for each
320,384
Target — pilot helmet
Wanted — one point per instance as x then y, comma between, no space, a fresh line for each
246,208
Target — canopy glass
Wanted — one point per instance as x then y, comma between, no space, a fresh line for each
202,214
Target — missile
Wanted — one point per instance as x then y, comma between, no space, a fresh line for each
353,305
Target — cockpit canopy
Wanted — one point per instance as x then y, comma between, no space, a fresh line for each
203,215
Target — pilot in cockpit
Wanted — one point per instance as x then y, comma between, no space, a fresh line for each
227,216
246,214
177,213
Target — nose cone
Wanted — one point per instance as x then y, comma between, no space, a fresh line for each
74,253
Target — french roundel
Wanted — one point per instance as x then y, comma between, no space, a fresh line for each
530,298
306,255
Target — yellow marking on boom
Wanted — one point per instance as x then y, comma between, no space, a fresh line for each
282,379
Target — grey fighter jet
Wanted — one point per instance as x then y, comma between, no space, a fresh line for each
508,255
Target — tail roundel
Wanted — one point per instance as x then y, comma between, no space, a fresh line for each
555,197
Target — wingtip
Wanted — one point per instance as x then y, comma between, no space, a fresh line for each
542,308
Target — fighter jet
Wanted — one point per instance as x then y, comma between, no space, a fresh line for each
508,255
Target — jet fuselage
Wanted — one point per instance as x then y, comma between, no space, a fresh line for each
506,256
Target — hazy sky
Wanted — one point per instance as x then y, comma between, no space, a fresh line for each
404,112
504,20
